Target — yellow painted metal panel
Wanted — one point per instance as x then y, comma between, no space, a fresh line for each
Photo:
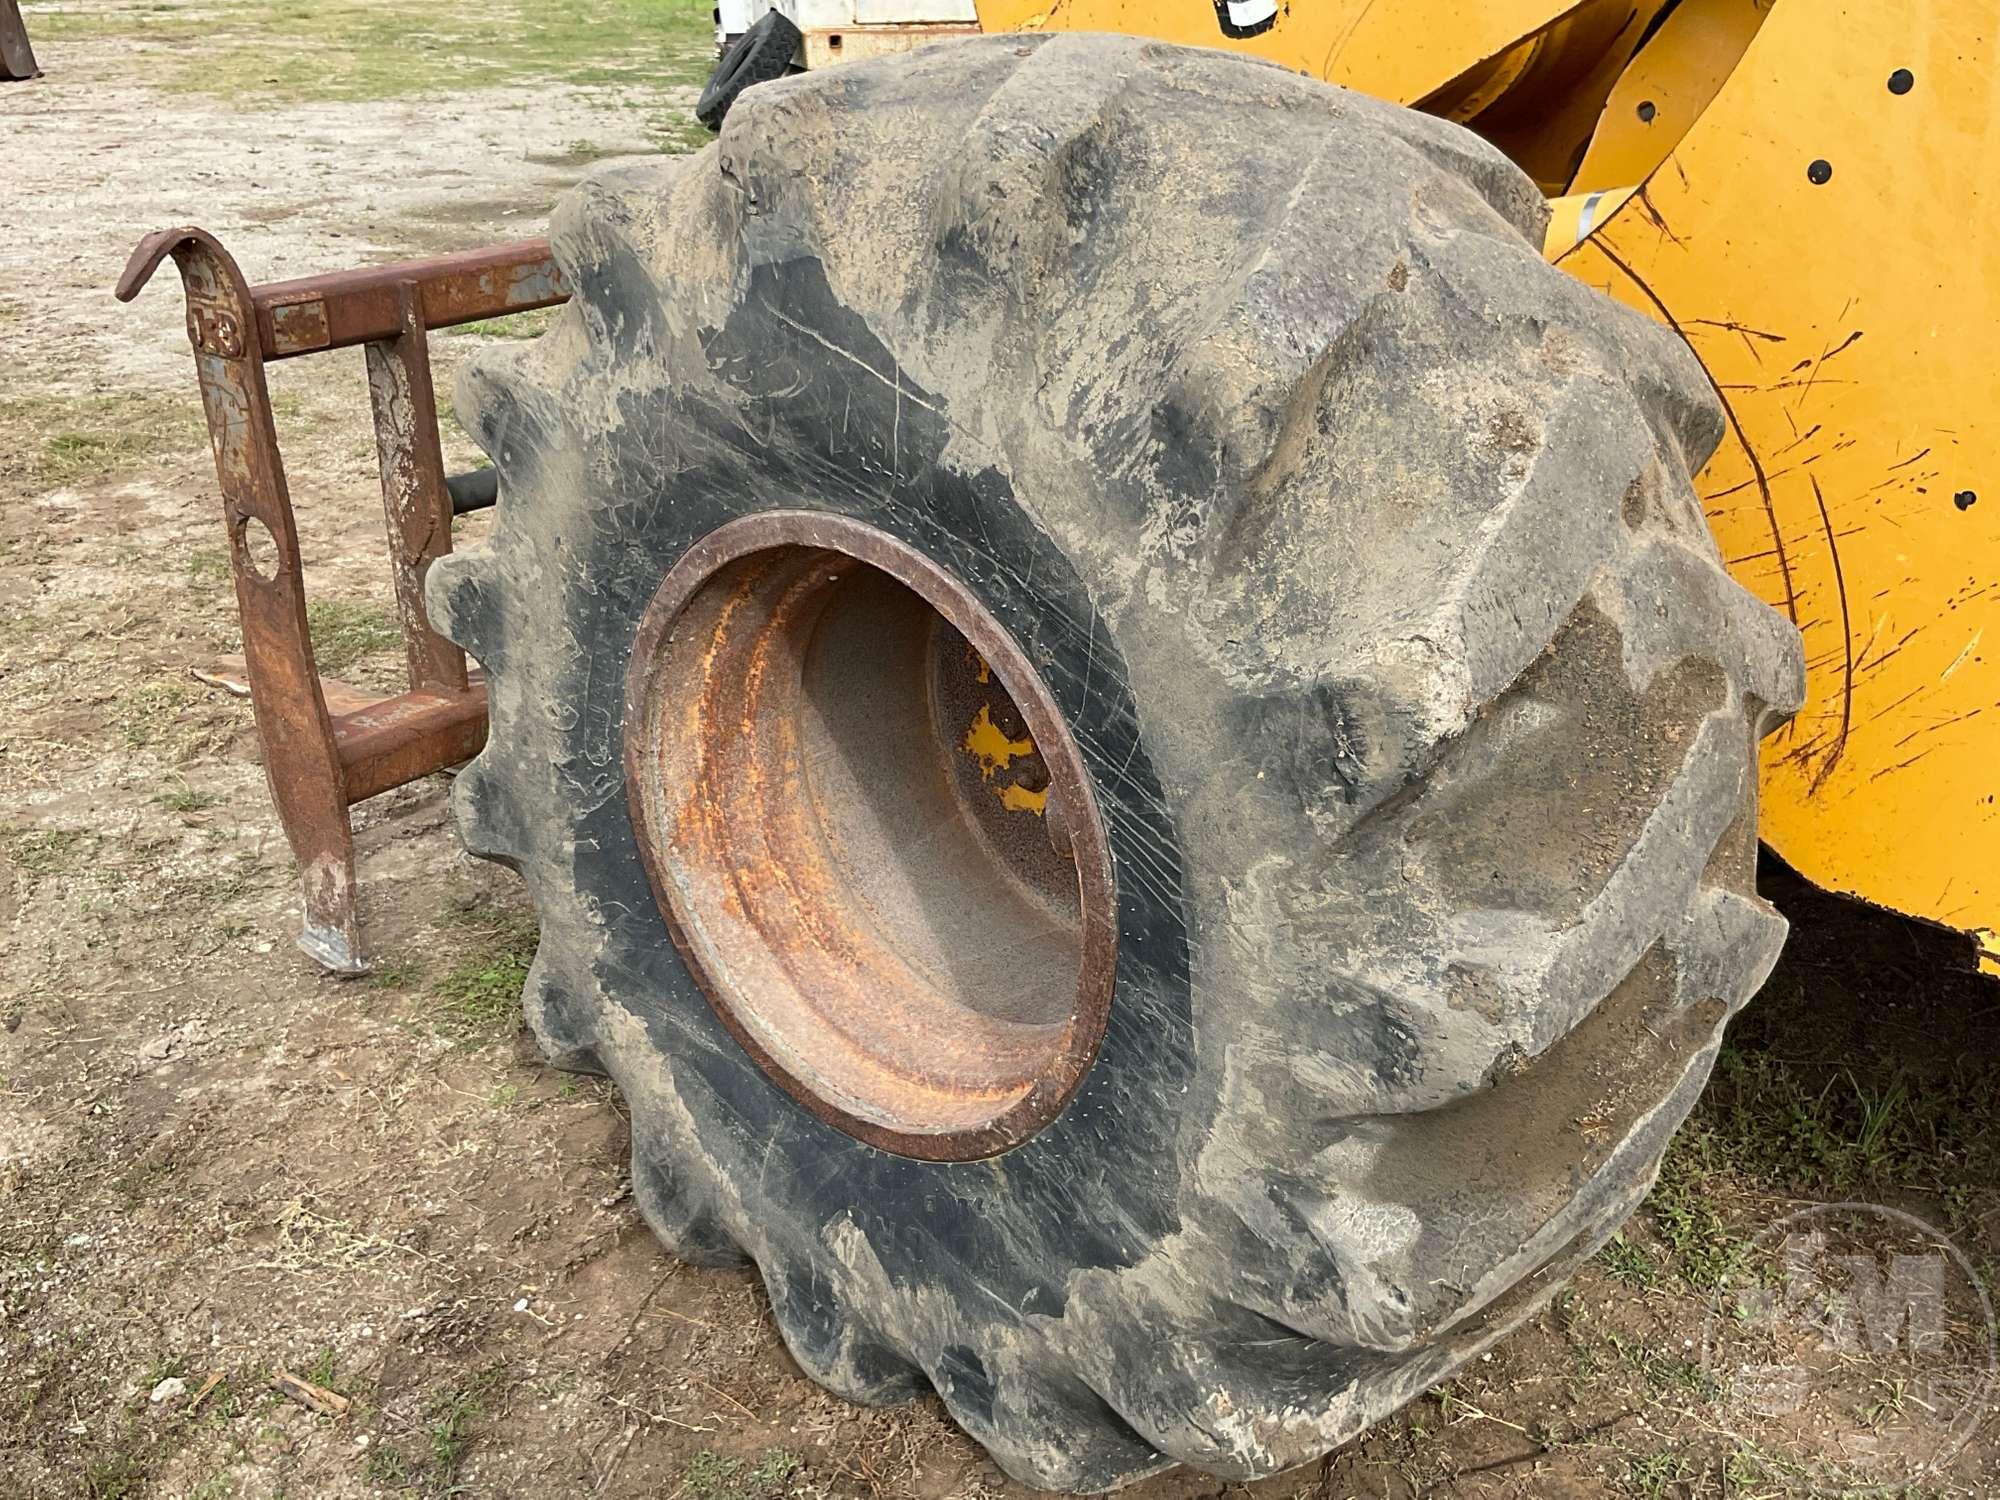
1545,122
1823,238
1575,215
1666,89
1530,75
1402,52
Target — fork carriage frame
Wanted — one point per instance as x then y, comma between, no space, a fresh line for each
328,745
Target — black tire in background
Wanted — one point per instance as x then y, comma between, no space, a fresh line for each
1355,547
764,52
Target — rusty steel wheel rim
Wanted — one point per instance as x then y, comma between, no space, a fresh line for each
871,835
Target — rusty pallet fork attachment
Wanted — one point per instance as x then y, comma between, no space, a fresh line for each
326,745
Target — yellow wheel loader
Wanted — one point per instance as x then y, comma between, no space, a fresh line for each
1135,729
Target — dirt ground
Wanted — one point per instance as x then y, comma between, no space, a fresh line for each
217,1164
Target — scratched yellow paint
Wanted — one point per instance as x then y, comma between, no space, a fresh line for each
1402,52
1824,241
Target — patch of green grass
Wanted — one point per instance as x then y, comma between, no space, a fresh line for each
115,1474
149,711
65,439
1660,1475
324,1369
73,454
713,1476
445,1434
386,1465
709,1476
223,1406
521,325
1773,1126
1583,1361
678,137
1751,1470
343,632
396,974
47,851
207,565
449,1418
774,1468
1629,1263
356,50
478,1000
1684,1212
1664,1371
185,799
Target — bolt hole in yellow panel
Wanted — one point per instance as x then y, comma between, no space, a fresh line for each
1670,83
1800,187
1558,82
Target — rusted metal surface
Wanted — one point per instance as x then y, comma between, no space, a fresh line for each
383,742
344,308
871,835
17,57
300,760
395,740
327,745
414,500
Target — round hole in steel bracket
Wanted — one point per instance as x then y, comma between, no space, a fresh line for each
1902,81
1647,109
256,548
871,834
1820,172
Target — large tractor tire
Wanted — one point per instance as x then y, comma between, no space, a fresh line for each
1126,733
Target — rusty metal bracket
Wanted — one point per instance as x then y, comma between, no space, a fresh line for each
326,745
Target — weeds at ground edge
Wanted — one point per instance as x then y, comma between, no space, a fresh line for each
345,631
711,1476
478,1000
68,439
